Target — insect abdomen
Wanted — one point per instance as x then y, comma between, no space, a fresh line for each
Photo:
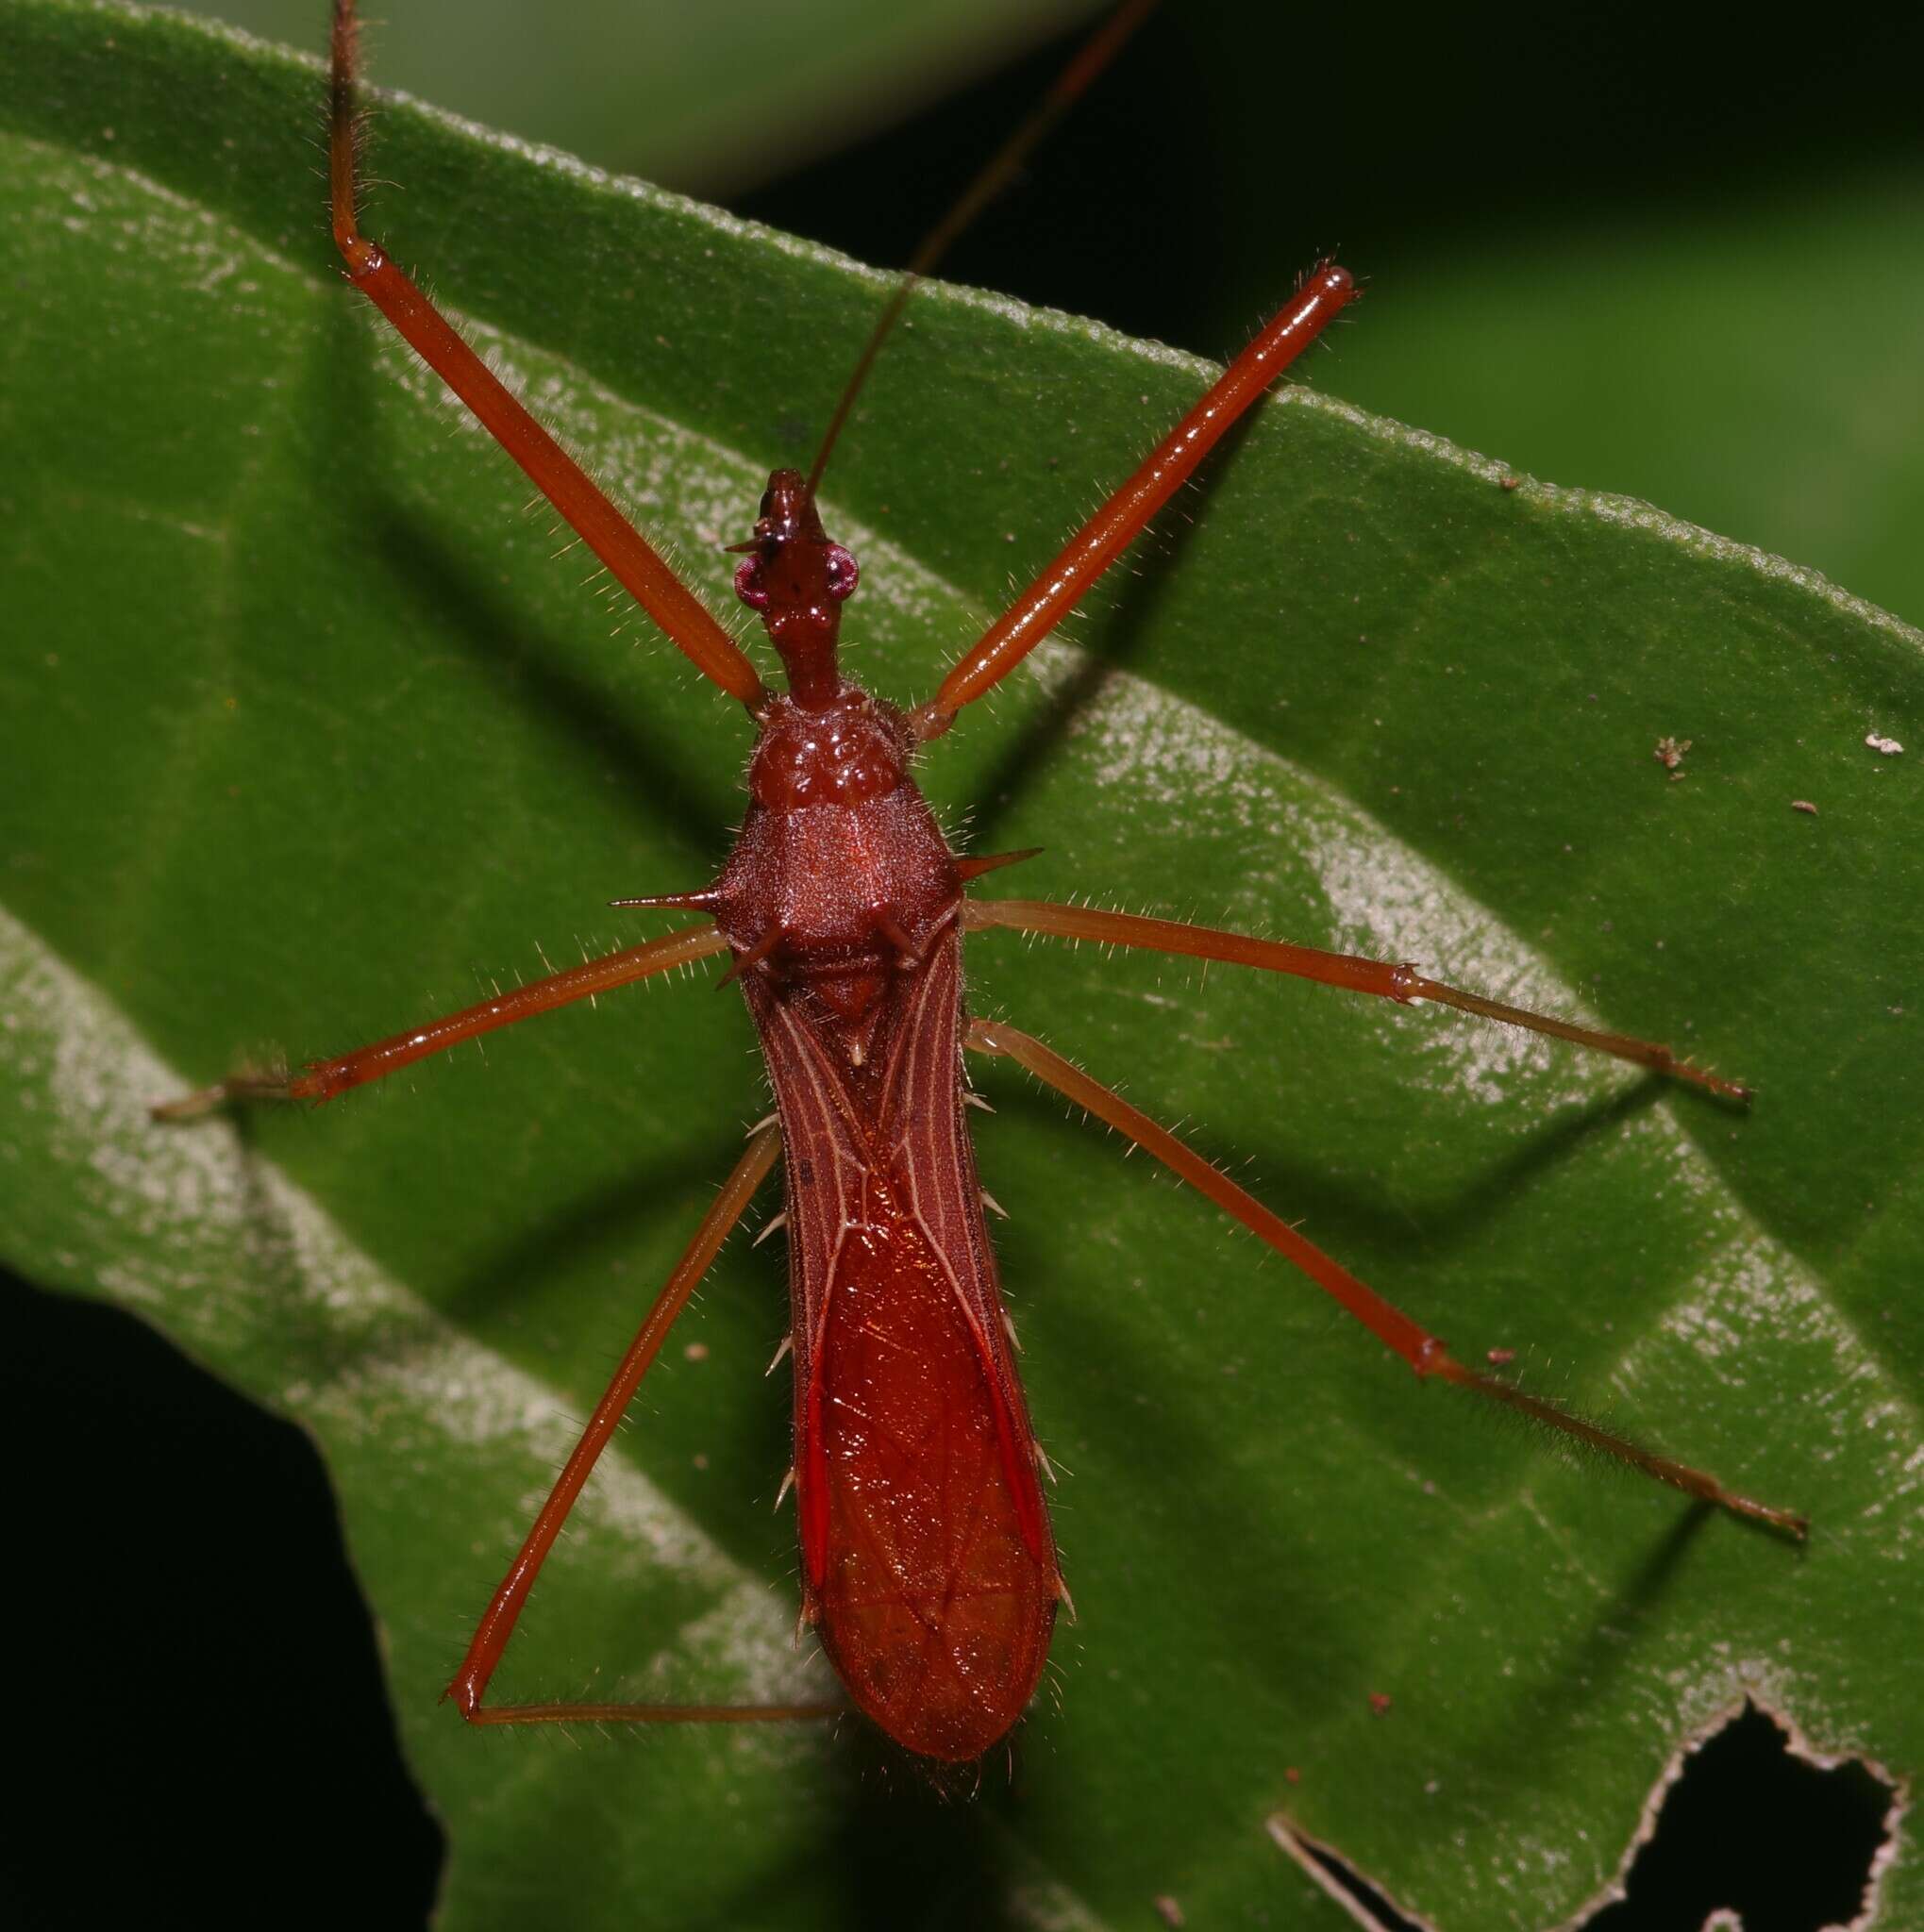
936,1591
928,1563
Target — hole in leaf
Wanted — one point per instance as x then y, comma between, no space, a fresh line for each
195,1681
1344,1882
1753,1828
1751,1835
1375,1909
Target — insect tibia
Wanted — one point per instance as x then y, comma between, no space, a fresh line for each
1577,1432
346,128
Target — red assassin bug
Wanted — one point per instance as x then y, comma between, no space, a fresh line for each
929,1569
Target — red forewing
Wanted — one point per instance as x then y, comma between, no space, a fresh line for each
928,1568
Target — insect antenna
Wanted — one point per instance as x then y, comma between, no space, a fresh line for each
1001,168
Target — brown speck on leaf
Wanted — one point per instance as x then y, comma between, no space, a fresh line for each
1167,1909
1804,805
1290,1775
1669,754
1508,482
1380,1702
697,1352
1500,1357
1886,747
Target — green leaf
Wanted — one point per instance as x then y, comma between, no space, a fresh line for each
1692,353
314,738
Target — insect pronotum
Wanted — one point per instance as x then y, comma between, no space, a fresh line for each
929,1573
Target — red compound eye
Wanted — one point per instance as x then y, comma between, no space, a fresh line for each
843,572
748,583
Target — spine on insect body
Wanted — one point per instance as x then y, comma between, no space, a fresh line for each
928,1568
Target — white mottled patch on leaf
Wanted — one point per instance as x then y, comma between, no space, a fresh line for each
1380,898
243,1267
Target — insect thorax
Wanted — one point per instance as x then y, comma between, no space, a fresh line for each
840,877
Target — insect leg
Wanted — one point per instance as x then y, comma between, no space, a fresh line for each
504,1608
323,1079
628,556
1386,978
1120,521
1422,1351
